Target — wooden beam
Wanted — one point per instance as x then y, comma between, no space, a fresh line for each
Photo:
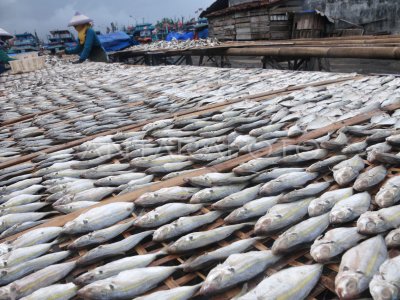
223,167
31,116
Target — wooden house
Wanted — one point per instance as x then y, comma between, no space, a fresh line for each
252,20
311,24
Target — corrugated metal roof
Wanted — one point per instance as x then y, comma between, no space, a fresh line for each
219,10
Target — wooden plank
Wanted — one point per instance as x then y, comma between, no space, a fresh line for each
31,116
223,167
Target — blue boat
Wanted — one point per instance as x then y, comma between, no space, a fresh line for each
25,42
59,40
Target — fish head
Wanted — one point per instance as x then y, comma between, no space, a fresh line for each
348,285
345,175
383,290
5,248
285,242
181,243
386,197
164,232
341,215
263,225
371,223
217,278
237,215
85,278
324,252
393,238
318,207
3,263
101,289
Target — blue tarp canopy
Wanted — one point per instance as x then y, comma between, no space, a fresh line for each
180,36
115,41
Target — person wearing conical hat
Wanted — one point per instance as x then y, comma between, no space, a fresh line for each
89,46
4,58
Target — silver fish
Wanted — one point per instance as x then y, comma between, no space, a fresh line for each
384,284
55,291
274,174
13,273
358,266
281,216
20,185
339,142
373,222
166,213
100,236
301,234
237,268
350,208
355,148
10,220
370,178
202,238
127,284
327,200
310,190
99,217
113,249
33,189
164,195
304,156
117,266
220,254
265,129
237,199
73,206
94,194
157,125
21,255
213,179
215,193
293,283
169,167
118,179
393,238
286,182
389,193
21,200
252,209
178,293
325,164
348,170
334,242
255,165
31,207
42,278
34,237
184,225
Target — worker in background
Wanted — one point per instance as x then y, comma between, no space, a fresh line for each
89,46
4,58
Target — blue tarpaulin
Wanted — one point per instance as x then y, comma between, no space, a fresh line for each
115,41
203,34
180,36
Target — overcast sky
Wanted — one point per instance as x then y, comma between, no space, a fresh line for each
18,16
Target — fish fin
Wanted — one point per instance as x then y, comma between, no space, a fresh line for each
163,251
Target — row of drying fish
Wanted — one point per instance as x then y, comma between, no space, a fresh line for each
106,103
175,44
101,181
170,211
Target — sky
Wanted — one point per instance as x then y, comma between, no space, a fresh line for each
17,16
